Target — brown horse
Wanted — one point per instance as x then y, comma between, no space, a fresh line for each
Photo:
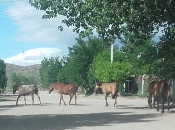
66,89
108,88
160,90
24,90
152,92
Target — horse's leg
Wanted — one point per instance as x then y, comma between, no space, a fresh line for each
63,100
75,99
163,99
106,99
150,101
32,99
38,98
25,100
115,103
60,99
154,101
17,99
157,98
70,98
168,100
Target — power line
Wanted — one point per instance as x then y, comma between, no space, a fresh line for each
35,19
10,1
28,17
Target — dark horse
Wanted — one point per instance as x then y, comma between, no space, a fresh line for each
160,90
152,92
24,90
107,88
66,89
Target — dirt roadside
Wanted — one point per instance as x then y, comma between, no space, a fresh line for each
90,113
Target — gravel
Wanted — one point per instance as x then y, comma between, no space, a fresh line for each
90,113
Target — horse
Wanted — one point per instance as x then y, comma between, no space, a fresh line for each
151,92
161,91
107,88
24,90
66,89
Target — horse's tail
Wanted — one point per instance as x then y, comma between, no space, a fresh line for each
36,90
75,88
116,93
165,89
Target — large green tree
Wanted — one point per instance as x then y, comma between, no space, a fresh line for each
49,70
106,71
118,18
3,78
111,17
76,65
21,79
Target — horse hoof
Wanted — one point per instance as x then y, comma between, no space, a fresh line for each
168,111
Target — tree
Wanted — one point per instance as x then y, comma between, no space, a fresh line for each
21,79
3,78
50,67
118,18
105,71
111,17
76,65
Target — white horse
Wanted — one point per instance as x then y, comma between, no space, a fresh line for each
24,90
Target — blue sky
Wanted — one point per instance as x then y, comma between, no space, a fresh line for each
25,38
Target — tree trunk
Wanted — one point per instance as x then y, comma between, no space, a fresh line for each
173,91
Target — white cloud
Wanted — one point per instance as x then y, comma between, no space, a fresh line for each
34,56
34,29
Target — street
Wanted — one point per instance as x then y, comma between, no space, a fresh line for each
90,113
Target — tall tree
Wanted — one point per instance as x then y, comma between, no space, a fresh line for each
118,71
49,70
21,79
116,18
3,78
111,17
76,65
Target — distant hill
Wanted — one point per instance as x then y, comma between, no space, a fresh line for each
32,70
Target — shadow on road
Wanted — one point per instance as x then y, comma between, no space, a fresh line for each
71,121
7,97
171,106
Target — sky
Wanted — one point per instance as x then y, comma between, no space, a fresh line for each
26,38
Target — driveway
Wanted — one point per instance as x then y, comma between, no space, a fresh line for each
89,114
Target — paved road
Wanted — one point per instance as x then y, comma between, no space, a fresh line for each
89,114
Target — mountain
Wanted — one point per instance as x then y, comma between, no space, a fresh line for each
26,71
32,70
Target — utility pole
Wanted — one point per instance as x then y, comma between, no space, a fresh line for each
112,40
112,52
